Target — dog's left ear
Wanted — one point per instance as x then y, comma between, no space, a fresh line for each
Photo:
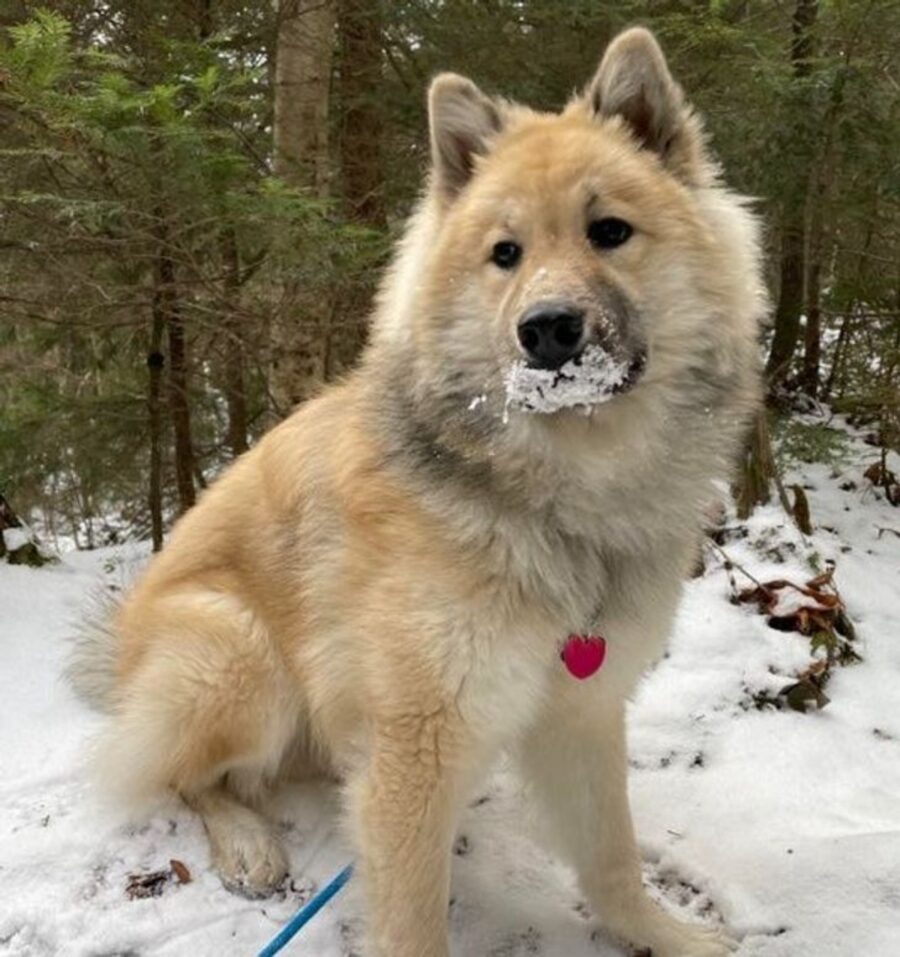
462,121
634,82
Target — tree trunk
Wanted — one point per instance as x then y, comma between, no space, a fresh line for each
812,340
304,54
837,357
790,296
362,168
818,241
235,391
757,468
303,59
793,234
24,549
837,377
758,471
181,411
8,519
155,364
205,18
361,164
812,346
179,403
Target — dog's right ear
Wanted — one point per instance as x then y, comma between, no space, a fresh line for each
463,120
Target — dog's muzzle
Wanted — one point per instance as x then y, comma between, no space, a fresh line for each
574,356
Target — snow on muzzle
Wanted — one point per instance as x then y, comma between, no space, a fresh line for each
576,352
589,379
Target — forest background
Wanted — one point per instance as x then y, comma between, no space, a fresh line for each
198,196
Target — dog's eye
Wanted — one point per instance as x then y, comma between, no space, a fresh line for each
609,232
506,254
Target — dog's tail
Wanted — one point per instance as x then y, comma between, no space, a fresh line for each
92,660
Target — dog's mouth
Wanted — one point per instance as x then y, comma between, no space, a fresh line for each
589,379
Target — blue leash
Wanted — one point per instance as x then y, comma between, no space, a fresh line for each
306,913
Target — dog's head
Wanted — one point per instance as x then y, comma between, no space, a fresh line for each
566,259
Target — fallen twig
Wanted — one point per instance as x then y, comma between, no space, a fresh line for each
731,563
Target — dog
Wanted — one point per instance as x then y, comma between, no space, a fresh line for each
563,359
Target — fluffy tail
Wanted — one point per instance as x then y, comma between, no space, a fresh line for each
92,662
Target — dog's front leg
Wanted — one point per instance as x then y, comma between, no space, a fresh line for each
404,807
575,761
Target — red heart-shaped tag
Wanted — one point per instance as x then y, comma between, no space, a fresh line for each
583,655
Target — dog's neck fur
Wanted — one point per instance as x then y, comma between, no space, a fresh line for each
574,475
516,495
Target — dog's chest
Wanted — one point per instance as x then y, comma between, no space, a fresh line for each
536,589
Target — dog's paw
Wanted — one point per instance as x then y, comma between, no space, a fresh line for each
651,930
690,940
251,863
704,942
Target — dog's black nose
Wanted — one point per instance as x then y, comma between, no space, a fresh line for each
551,334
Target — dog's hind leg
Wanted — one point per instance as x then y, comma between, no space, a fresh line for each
207,709
244,850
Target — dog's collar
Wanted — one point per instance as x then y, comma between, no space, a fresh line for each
583,655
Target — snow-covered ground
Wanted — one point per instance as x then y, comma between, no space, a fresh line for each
786,825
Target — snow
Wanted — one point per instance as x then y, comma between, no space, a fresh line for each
15,538
786,825
592,378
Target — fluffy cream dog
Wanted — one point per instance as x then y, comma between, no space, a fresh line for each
563,358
